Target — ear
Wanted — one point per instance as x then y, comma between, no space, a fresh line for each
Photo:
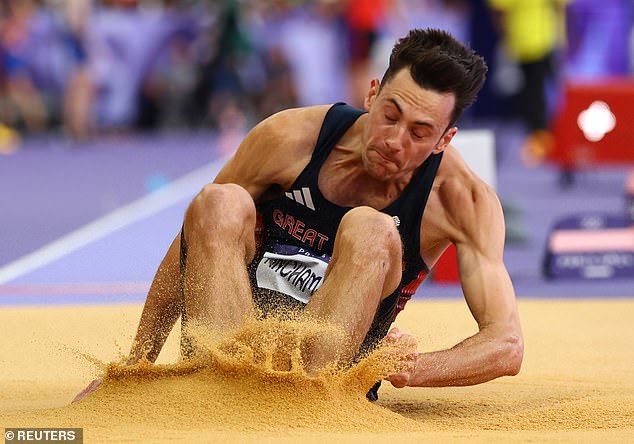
375,86
445,140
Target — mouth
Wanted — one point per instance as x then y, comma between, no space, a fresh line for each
386,159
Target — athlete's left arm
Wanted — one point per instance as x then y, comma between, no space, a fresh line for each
496,349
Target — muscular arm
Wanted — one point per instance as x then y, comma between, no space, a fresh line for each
497,349
161,310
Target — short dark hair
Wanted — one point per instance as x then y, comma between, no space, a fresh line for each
439,62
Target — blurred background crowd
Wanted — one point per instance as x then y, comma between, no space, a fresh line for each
86,67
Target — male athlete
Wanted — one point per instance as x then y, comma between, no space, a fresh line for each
340,213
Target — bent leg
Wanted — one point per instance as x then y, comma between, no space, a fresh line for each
365,268
219,234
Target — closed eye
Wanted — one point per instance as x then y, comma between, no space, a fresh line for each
417,136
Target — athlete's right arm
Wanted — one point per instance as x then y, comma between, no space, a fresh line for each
273,153
160,313
161,310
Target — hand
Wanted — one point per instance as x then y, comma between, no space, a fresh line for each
94,385
406,347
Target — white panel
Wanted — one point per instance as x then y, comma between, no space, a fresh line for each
477,148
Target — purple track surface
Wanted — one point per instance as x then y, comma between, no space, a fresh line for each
52,187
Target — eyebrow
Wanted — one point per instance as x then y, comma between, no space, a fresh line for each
400,110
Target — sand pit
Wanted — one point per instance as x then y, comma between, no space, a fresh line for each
576,385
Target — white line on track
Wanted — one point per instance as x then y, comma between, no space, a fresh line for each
174,192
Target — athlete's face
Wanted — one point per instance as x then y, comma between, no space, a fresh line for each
405,124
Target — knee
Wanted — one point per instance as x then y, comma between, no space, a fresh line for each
221,208
368,231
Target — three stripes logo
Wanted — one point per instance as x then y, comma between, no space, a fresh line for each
302,197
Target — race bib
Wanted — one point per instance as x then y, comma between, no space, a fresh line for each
292,270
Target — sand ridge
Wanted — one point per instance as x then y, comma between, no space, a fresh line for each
237,385
576,385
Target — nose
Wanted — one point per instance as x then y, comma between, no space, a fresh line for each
394,140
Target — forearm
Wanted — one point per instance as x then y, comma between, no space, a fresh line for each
478,359
154,327
476,228
162,309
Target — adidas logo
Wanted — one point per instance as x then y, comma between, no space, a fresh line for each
302,197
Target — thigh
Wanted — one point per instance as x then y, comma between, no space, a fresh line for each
274,303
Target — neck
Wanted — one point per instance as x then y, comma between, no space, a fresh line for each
348,182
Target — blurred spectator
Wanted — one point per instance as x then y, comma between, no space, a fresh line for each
599,38
107,65
484,40
167,84
449,15
123,43
79,94
85,66
39,58
365,19
223,64
532,33
308,38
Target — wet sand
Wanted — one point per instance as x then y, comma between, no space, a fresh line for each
576,384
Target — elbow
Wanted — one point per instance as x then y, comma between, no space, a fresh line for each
514,354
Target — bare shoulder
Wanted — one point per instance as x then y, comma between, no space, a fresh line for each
463,208
275,150
290,131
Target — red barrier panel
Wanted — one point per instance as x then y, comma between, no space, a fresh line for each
446,269
595,124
